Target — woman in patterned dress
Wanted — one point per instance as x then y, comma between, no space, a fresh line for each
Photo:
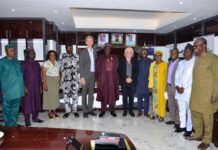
157,84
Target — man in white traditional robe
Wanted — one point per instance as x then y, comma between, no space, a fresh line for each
183,83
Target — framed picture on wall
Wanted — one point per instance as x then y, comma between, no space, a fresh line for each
116,38
103,38
130,39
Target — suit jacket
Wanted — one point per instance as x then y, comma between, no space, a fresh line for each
122,72
174,72
85,62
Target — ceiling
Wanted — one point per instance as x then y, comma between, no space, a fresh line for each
151,16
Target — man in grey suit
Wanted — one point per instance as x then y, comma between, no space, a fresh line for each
87,76
171,89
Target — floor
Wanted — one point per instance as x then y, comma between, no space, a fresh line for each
146,134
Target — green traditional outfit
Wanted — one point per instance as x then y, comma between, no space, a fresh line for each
11,80
205,85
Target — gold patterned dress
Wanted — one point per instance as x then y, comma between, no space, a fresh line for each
155,94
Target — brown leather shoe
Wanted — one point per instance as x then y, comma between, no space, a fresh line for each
139,114
203,146
193,138
50,115
56,115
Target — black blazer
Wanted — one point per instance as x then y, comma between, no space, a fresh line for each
122,72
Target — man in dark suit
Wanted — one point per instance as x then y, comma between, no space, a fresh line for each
87,59
128,71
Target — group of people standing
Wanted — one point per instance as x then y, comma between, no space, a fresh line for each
191,85
193,92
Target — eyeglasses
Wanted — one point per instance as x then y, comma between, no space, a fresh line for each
196,46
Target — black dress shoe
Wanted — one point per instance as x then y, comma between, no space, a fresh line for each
92,113
176,126
179,130
203,146
85,115
66,115
27,124
101,114
38,120
19,125
113,113
76,114
170,122
132,114
187,133
147,115
124,114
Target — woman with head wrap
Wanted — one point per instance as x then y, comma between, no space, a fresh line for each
157,84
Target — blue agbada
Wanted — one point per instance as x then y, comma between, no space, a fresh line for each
142,81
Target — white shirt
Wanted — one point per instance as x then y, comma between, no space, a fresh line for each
52,70
91,55
183,78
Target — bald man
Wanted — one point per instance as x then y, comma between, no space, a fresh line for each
171,89
204,96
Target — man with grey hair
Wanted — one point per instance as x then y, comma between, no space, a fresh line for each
128,71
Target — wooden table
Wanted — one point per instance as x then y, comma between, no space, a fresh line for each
24,138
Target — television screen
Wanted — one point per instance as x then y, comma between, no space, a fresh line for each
116,38
130,39
103,38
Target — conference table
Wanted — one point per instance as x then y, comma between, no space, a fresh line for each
32,138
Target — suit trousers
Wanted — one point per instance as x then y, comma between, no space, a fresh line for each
88,89
203,125
173,104
128,93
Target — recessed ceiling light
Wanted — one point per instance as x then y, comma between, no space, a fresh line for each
116,0
55,11
13,10
181,3
194,18
62,23
174,26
